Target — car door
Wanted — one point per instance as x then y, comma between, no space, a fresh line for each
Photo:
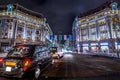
39,54
48,56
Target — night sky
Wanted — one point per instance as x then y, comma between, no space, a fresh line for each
59,13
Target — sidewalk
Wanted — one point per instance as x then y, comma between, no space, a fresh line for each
112,55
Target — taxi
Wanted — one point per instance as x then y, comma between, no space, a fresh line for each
25,60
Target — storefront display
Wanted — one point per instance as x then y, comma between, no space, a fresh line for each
94,47
104,47
85,47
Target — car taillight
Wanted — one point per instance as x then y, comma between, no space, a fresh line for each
26,63
1,60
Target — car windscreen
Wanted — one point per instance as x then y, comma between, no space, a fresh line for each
21,51
53,49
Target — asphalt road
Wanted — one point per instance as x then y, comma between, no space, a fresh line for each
81,67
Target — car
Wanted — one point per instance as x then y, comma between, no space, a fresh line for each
53,52
60,54
56,53
24,60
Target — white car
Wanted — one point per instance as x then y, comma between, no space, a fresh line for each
58,55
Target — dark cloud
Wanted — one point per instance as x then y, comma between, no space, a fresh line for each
59,13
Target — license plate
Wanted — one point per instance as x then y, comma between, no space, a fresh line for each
8,69
10,63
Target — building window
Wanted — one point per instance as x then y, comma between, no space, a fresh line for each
93,37
103,28
101,22
84,38
93,30
20,29
37,32
103,36
118,34
83,31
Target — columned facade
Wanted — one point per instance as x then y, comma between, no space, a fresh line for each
20,25
97,32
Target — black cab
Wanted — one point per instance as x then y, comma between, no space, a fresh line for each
25,59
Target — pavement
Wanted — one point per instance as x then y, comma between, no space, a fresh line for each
106,54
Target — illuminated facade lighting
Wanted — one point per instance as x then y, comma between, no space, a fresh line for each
95,31
18,25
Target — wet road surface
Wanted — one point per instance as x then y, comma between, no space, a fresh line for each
82,67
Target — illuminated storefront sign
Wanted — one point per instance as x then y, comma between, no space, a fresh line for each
85,44
94,44
103,44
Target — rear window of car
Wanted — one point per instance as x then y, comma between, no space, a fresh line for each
21,51
53,49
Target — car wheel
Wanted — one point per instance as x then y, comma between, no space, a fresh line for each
37,72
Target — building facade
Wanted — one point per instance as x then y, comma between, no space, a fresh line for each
21,25
98,30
